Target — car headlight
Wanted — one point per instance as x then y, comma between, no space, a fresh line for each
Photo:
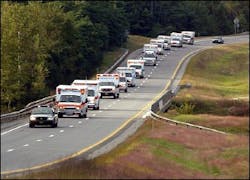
77,108
50,118
32,118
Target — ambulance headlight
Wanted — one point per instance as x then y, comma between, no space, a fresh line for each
77,108
32,118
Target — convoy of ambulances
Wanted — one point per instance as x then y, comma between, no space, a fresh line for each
138,64
129,73
93,92
150,58
109,84
71,100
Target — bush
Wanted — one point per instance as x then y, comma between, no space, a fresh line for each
186,108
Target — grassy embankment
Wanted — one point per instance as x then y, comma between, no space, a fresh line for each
219,97
161,150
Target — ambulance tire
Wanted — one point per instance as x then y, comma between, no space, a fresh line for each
117,96
85,115
114,96
126,90
31,125
60,115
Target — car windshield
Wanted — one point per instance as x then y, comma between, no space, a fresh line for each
136,66
42,110
70,98
149,55
175,39
128,74
186,36
107,84
122,79
91,93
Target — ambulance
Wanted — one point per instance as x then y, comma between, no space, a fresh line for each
150,47
109,84
93,92
129,73
138,64
72,100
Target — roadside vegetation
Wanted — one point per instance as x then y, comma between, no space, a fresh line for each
162,150
41,41
219,96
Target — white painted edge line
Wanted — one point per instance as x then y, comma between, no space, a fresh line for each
6,132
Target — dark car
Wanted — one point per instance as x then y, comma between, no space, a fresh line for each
43,115
218,40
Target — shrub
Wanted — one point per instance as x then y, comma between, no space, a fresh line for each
186,108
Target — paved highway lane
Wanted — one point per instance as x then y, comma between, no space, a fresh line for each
28,147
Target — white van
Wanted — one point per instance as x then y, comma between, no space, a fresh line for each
93,92
129,73
160,45
176,39
188,37
138,65
71,100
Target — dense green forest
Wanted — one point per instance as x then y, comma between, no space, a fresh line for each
46,43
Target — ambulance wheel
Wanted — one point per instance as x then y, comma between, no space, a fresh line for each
126,90
31,125
114,96
85,115
117,96
60,115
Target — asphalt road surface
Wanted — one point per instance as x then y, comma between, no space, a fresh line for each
25,147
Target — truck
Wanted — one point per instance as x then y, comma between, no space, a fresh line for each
93,92
188,37
71,100
149,57
176,39
109,84
129,73
150,47
160,45
138,64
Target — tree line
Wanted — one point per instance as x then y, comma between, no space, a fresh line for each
46,43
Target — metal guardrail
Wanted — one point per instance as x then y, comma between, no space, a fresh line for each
24,112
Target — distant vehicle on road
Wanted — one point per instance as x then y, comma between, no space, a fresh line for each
218,40
123,84
43,115
149,57
188,37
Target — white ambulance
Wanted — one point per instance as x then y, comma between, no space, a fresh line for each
150,47
71,100
138,64
129,73
109,84
93,92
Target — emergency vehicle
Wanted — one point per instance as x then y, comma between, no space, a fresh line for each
129,73
160,45
71,100
150,58
109,84
93,92
138,64
150,47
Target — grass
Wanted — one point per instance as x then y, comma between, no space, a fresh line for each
218,76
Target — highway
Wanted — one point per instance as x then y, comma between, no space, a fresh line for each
25,147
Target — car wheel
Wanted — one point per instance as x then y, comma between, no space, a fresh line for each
114,96
31,125
117,96
97,108
60,115
85,115
126,90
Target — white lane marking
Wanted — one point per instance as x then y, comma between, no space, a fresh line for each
39,140
118,100
94,115
79,122
61,131
87,119
157,64
141,84
100,111
125,96
52,135
25,145
138,87
9,150
151,72
71,126
13,129
143,81
109,105
105,108
168,53
148,75
155,67
146,79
